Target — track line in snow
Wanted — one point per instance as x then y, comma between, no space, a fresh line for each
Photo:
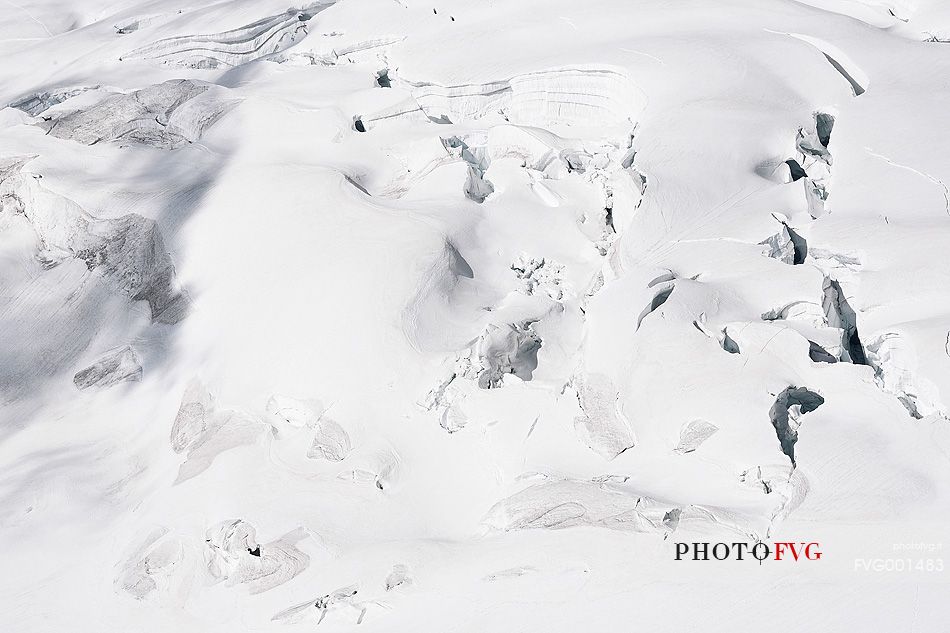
30,15
933,179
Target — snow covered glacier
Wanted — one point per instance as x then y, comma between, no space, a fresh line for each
474,315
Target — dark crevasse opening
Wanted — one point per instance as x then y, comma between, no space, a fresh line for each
795,170
840,314
819,354
800,245
786,426
823,125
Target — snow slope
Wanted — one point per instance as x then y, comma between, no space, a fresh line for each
387,316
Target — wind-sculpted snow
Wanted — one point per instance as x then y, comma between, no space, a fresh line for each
166,115
471,316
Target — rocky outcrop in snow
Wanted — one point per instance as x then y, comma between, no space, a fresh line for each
165,115
117,366
127,251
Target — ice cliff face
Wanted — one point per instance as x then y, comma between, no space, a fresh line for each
458,316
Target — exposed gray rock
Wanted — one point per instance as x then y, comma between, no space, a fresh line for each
165,115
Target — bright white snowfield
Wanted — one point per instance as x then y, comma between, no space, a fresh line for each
468,315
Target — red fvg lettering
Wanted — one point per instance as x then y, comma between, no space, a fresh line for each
807,550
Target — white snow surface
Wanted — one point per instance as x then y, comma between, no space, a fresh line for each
384,315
